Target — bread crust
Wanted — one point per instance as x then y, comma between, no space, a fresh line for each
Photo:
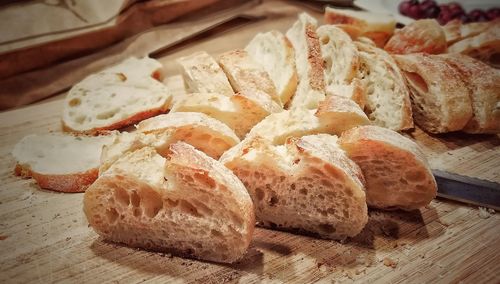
483,46
419,36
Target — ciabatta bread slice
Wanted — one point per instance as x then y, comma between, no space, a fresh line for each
309,184
60,162
376,26
341,113
240,112
310,65
354,91
419,36
483,82
275,53
395,169
202,74
440,99
387,96
187,204
114,98
455,30
198,129
247,75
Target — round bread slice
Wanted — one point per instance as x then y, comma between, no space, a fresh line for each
395,169
308,185
197,129
60,162
187,204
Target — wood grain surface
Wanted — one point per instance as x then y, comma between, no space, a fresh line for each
45,238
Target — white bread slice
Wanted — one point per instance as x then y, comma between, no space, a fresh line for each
202,74
275,53
308,185
441,101
310,65
114,98
376,26
419,36
246,75
354,91
484,46
395,169
240,112
387,96
455,30
198,129
60,162
483,82
189,205
342,113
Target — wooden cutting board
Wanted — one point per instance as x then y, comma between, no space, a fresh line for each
44,236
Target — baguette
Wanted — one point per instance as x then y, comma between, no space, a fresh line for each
202,74
190,205
275,53
440,99
60,162
310,65
455,30
419,36
395,169
308,184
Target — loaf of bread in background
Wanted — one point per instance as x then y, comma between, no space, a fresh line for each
308,184
202,74
455,30
274,52
310,65
440,99
197,129
420,36
376,26
190,204
60,162
116,97
240,112
386,94
247,75
483,82
396,171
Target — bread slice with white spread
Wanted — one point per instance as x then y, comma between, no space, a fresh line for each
274,52
309,185
60,162
395,169
187,204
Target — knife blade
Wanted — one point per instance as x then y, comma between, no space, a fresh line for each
468,189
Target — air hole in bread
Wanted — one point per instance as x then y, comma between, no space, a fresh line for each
135,199
273,200
122,197
204,179
202,208
151,202
417,81
107,114
321,196
259,193
327,228
303,191
188,208
74,102
216,233
403,181
112,215
326,183
414,175
171,203
80,119
137,212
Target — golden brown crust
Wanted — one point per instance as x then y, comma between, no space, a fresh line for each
419,36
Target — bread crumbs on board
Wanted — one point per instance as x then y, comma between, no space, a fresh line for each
485,213
389,262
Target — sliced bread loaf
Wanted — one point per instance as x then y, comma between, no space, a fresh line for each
396,172
455,30
188,204
310,65
387,96
440,99
274,52
240,112
114,98
247,75
60,162
308,185
202,74
198,129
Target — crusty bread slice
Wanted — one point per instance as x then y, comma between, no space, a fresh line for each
308,185
202,74
395,169
484,46
354,91
240,112
376,26
341,113
275,53
60,162
247,75
483,82
455,30
198,129
387,96
441,101
114,98
190,204
310,65
419,36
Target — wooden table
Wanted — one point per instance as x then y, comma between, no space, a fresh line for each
44,236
